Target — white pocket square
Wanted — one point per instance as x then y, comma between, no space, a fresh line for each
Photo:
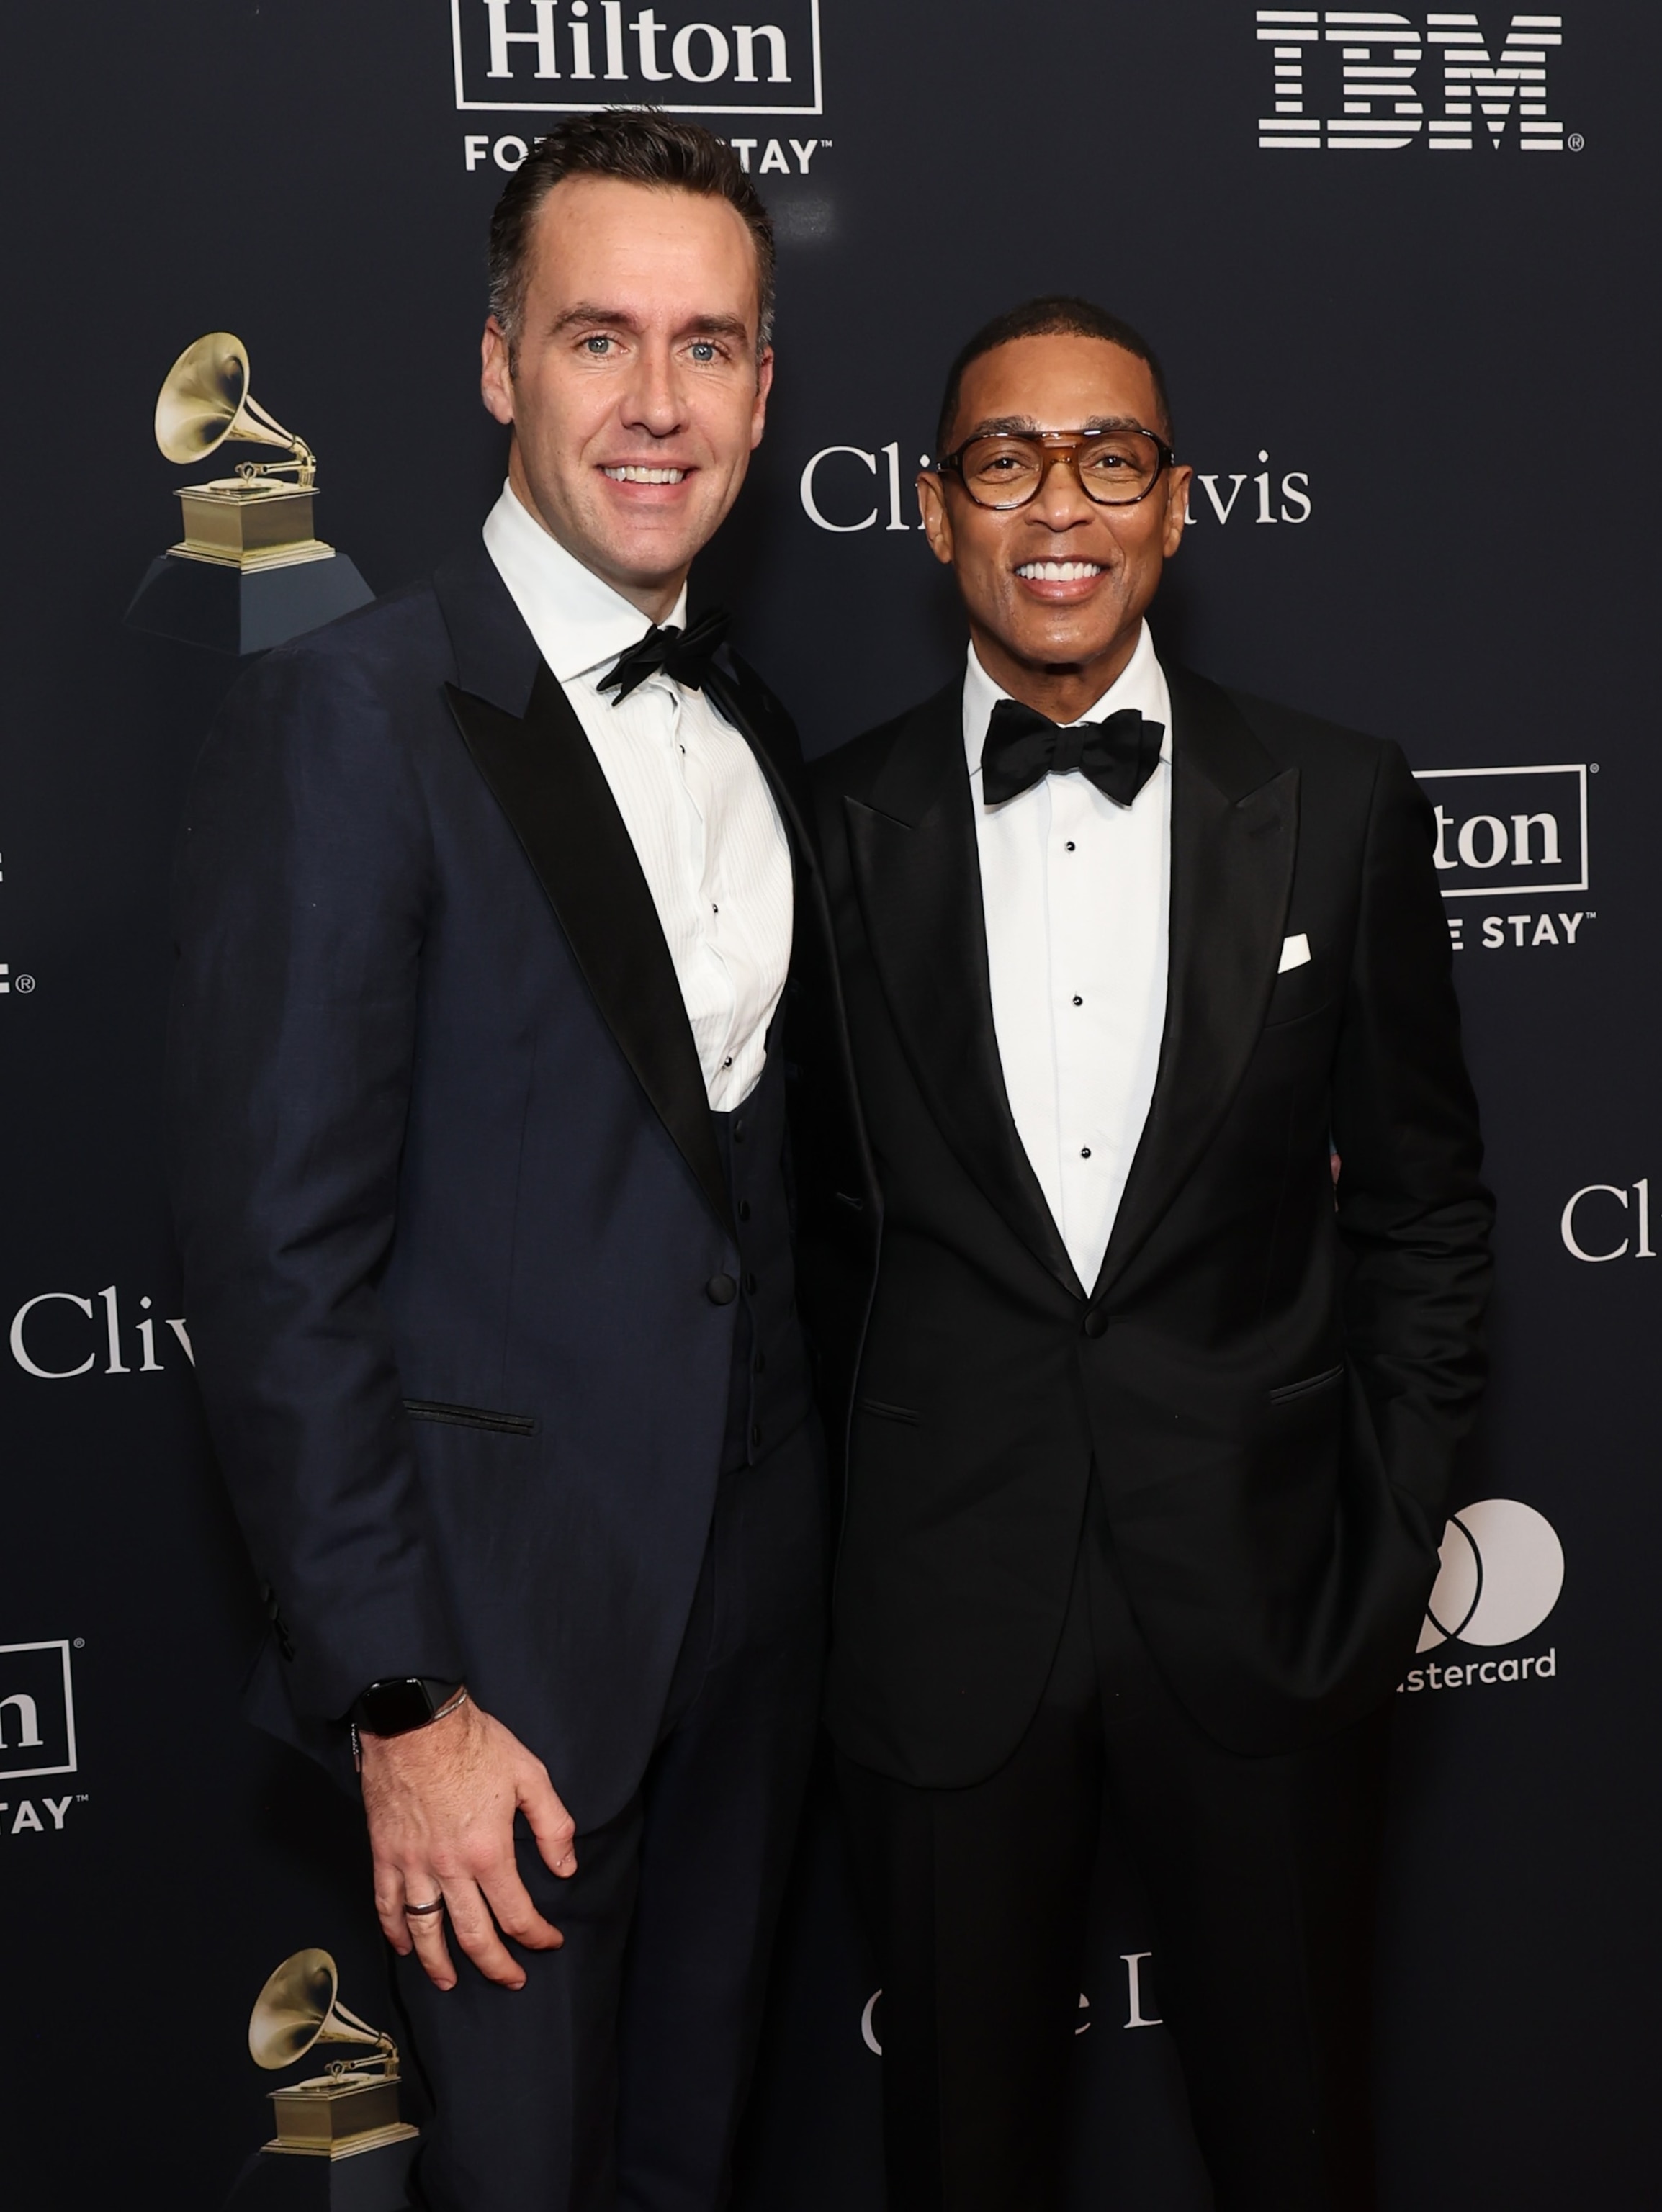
1295,951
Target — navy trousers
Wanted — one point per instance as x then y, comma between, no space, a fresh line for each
617,2076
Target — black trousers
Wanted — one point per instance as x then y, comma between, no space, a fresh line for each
1261,1873
616,2076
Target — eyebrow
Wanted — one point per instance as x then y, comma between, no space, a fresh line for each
614,319
719,326
1024,426
611,319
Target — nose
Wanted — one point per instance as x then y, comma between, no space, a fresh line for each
1060,500
652,400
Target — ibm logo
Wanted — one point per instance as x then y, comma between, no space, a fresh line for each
1382,54
566,56
37,1710
1509,830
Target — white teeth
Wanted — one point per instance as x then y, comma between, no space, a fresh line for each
631,475
1059,572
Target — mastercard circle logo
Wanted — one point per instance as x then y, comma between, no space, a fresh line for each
1501,1572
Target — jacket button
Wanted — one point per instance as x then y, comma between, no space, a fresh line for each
721,1289
1096,1322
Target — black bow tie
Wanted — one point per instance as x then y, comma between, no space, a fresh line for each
1023,747
685,654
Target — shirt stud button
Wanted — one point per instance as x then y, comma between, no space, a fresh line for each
1085,1152
1078,1001
1070,845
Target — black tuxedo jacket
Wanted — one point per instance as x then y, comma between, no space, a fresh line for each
1269,1389
446,1182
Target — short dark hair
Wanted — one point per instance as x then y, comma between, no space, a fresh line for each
638,146
1058,314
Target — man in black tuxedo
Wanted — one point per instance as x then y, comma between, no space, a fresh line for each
489,900
1150,1440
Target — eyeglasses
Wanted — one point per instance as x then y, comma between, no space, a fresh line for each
1005,469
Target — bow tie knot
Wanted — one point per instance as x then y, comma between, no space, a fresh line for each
684,655
1119,754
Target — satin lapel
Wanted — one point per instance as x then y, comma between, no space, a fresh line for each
917,877
547,781
1234,839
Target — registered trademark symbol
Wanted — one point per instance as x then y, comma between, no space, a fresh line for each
23,984
1592,768
80,1642
1575,142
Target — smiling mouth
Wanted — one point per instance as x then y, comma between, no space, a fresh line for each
1059,572
630,472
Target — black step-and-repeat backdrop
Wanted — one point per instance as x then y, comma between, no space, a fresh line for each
1402,267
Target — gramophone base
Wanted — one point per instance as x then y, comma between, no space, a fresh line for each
230,610
398,2131
250,522
372,2177
252,564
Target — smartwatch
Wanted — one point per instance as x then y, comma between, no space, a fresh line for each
399,1704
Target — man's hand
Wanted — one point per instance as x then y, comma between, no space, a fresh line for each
441,1802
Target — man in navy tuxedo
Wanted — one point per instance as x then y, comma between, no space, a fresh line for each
490,901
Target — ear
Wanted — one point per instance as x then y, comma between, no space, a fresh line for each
1178,488
764,386
937,523
496,372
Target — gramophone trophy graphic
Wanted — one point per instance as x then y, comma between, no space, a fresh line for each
250,570
340,2142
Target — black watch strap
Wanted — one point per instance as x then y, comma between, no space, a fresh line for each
400,1703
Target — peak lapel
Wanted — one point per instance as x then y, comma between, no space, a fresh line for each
496,655
1235,838
917,877
543,772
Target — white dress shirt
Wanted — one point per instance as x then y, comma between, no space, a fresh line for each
1077,892
696,805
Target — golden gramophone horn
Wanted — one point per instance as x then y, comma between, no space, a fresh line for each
205,404
298,2006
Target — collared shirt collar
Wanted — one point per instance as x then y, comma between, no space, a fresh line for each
580,624
1140,684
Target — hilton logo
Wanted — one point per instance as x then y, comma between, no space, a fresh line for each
37,1710
1509,830
1485,81
567,57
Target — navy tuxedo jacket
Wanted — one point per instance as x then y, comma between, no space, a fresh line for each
446,1185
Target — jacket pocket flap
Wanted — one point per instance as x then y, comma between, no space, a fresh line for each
469,1417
